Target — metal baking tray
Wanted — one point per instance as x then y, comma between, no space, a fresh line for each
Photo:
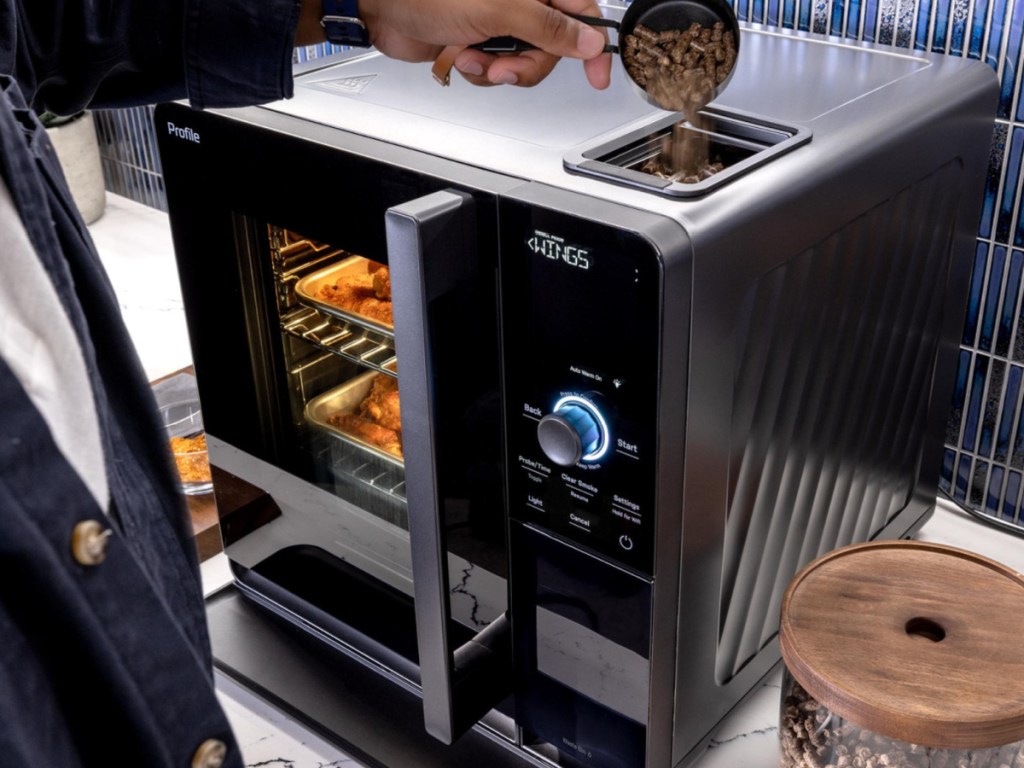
307,291
346,399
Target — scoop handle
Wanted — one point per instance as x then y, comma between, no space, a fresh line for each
509,44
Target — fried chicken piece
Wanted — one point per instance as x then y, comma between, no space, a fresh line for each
348,290
388,440
377,419
381,405
382,283
356,294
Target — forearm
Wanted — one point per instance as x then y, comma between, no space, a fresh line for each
309,31
69,55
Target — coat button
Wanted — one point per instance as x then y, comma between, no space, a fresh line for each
211,754
89,542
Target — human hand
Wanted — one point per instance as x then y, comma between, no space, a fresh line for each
417,30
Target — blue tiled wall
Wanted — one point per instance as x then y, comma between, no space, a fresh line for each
984,457
983,465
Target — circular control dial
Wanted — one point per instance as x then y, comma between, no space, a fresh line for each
574,431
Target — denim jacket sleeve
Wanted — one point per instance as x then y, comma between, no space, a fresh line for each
71,54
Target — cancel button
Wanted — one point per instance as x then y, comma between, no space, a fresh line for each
582,521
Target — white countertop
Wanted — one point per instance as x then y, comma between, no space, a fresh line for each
135,244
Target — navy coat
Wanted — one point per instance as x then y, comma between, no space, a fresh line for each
107,663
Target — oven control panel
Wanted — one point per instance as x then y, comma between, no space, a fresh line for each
580,319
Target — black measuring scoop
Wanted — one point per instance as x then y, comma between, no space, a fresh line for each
658,16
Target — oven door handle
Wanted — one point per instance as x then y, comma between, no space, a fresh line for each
431,244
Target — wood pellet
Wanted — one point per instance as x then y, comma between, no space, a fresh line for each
811,736
680,70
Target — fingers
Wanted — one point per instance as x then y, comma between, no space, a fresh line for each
526,69
554,34
599,71
547,28
597,68
551,30
416,30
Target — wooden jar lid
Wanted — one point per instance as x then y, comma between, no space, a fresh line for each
919,642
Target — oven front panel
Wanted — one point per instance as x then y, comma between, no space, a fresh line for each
285,263
323,524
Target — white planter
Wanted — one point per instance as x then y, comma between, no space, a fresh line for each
79,154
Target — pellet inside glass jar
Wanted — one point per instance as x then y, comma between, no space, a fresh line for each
812,736
681,70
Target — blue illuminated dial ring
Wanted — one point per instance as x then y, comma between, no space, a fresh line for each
574,431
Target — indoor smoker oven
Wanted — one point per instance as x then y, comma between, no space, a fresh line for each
627,409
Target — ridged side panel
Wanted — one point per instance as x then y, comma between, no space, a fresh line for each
835,361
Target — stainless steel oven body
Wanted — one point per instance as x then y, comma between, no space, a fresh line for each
631,409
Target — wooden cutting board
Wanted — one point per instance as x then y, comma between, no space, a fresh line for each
919,642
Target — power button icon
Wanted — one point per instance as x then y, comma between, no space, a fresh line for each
625,542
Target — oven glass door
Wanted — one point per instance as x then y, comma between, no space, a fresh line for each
343,318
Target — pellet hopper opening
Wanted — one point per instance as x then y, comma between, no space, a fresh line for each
736,144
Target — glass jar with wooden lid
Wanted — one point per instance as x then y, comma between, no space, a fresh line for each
903,654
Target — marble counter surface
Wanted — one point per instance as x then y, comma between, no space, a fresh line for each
135,244
746,739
